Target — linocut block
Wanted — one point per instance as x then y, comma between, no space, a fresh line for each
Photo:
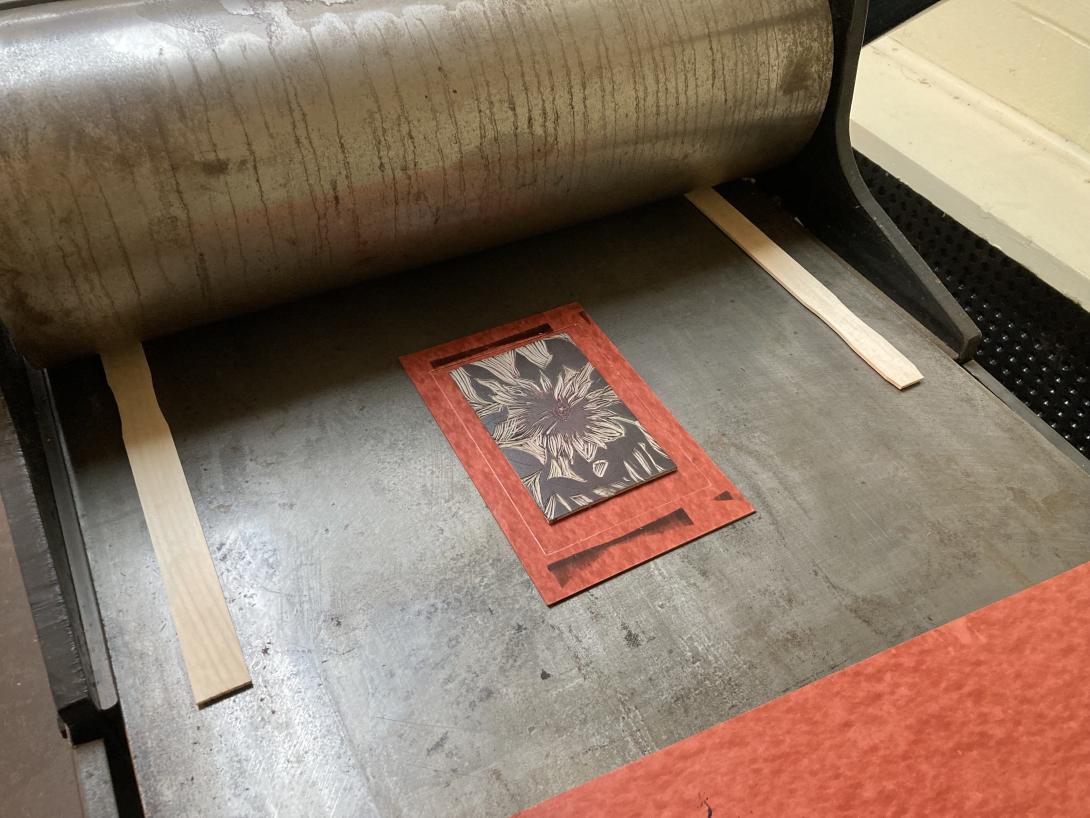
583,467
567,435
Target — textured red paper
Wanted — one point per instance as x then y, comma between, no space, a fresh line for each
596,543
987,715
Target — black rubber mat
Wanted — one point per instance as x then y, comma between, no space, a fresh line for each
1036,342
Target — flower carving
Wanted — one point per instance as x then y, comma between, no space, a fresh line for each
563,429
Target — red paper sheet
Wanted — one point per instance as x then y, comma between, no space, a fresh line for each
596,543
987,715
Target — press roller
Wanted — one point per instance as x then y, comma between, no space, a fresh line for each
170,163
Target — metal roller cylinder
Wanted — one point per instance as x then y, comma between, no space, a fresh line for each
167,163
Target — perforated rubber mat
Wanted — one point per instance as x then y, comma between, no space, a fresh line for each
1036,342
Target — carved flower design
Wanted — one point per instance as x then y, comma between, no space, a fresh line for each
572,441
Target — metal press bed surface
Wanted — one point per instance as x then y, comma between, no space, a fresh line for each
403,663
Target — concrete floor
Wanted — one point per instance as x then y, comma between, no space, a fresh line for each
38,776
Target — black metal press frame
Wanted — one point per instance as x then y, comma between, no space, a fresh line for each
822,186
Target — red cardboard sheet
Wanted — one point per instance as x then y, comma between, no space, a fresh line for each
987,715
578,551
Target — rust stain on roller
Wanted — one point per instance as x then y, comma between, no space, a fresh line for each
162,165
